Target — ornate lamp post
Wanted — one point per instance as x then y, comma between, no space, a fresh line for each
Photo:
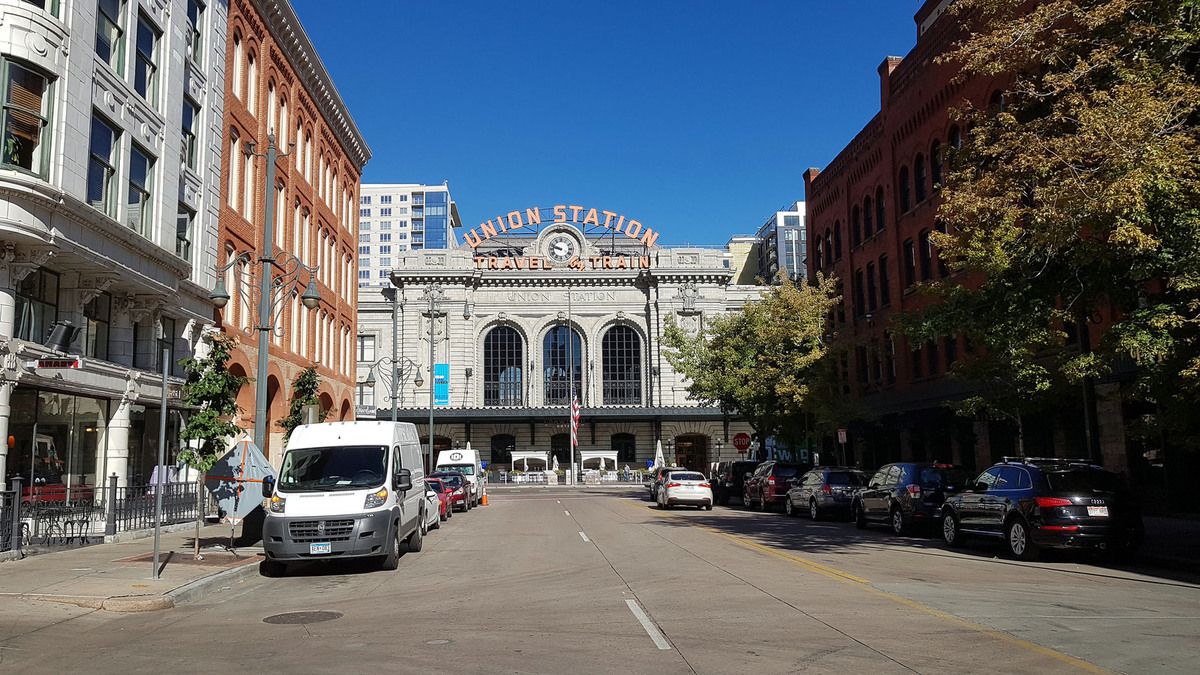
398,374
433,295
271,286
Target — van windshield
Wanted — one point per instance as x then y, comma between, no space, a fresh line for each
464,469
339,468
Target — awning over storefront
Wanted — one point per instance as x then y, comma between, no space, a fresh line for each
602,456
524,456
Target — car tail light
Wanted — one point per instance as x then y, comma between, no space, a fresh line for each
1047,502
671,485
827,489
914,491
1061,528
770,480
705,485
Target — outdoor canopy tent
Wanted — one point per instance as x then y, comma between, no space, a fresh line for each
525,455
602,455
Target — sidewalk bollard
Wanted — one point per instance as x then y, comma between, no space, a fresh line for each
16,516
110,508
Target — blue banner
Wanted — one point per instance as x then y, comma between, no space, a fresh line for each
441,384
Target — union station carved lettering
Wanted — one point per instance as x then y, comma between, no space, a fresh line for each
595,262
546,297
562,213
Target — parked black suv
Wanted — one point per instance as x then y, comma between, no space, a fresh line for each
1035,503
728,477
907,494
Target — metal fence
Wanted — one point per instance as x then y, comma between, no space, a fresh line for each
84,516
591,477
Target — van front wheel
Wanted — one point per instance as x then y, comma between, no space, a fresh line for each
391,559
416,540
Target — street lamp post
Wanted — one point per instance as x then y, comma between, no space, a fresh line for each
433,295
393,388
290,267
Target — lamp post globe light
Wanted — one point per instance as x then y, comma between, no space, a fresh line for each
271,286
398,375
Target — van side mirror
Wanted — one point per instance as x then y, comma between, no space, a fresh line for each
268,487
403,480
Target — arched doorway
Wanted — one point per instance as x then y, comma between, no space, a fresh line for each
691,451
502,447
625,445
560,447
345,413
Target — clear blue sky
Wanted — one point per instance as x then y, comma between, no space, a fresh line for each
696,117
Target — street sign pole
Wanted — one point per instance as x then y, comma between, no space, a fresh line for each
160,474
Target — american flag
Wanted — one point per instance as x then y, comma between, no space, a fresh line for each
574,422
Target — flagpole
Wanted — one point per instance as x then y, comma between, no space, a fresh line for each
571,386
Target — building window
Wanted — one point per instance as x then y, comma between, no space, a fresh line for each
383,274
26,106
625,445
364,250
890,358
917,360
140,209
191,113
385,262
943,271
98,315
867,232
926,253
560,360
101,166
905,190
502,449
872,290
364,395
385,236
855,227
621,350
36,306
910,263
183,232
145,80
828,247
837,240
955,138
919,177
386,199
237,64
364,213
885,291
861,364
951,347
364,274
935,163
385,213
364,226
503,367
195,13
366,348
110,38
859,291
364,237
841,303
364,199
931,357
385,250
880,222
385,224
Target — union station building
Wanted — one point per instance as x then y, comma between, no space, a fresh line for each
536,300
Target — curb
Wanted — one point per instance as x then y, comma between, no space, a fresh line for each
133,535
115,603
195,590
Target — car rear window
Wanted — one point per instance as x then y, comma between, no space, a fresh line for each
686,476
786,471
844,478
1082,480
932,477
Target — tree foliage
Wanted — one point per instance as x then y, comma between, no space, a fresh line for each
304,393
1074,197
212,390
762,363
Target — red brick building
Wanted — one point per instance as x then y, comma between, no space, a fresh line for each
870,214
275,81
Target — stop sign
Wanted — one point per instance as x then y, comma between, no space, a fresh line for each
741,442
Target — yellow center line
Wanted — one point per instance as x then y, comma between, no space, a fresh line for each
866,585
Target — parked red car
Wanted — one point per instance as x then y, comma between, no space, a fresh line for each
456,483
445,505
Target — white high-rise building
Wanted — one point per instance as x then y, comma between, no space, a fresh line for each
396,218
109,189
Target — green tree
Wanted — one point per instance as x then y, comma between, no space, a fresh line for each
304,393
1074,194
762,363
212,390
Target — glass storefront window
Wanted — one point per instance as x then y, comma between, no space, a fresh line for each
37,306
56,439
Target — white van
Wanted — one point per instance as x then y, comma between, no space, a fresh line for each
346,490
467,463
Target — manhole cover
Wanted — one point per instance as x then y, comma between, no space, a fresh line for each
302,617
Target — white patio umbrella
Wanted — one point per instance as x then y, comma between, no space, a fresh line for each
658,455
556,462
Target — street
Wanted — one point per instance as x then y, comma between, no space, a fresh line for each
590,581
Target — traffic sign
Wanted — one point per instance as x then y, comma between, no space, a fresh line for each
842,436
741,442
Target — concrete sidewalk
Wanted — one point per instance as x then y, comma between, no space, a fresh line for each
1172,543
118,576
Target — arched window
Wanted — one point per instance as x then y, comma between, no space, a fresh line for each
837,240
625,445
855,227
252,83
818,253
621,351
867,217
996,103
560,448
502,447
919,177
880,221
828,247
560,359
503,367
237,64
935,163
905,190
955,137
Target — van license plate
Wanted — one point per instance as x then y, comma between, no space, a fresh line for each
318,549
1099,511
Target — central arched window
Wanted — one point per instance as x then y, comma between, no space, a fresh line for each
562,361
625,445
503,359
622,355
502,447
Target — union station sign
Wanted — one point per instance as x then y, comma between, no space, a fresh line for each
561,213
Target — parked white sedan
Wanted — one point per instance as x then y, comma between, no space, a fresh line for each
432,521
685,487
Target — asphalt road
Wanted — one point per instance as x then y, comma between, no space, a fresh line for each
555,581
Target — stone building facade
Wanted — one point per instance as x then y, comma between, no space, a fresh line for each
516,323
109,188
278,85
